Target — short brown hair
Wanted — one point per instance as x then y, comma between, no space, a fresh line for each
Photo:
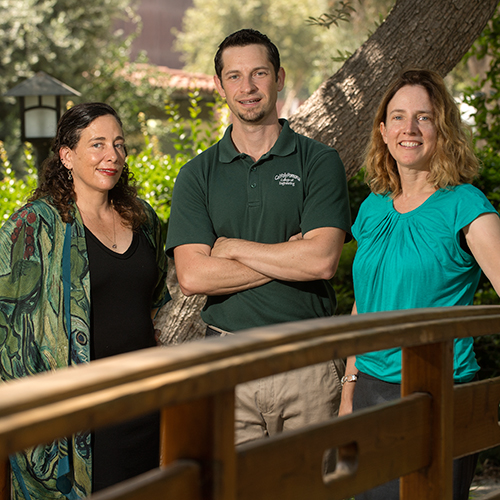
245,37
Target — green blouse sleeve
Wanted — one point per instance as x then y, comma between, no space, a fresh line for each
154,233
25,246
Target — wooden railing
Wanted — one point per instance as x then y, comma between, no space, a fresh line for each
415,437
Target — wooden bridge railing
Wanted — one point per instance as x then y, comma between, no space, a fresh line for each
415,437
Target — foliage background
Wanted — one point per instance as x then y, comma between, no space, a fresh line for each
309,55
75,43
484,96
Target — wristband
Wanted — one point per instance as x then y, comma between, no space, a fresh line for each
348,378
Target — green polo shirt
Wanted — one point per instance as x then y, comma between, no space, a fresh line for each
299,185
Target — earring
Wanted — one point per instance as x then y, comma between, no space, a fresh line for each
70,175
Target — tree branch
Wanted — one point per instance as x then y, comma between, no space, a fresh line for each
428,33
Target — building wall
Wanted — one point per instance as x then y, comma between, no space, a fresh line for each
156,38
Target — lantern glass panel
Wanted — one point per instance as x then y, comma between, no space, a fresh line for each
49,100
31,101
40,123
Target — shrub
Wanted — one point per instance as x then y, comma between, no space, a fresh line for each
154,171
15,191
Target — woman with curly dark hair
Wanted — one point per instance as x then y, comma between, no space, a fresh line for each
82,273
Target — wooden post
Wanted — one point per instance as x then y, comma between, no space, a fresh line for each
5,479
203,430
429,368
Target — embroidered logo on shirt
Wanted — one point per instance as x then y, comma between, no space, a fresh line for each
287,179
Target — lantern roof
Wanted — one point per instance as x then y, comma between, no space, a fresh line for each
41,84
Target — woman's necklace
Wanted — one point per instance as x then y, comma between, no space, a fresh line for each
113,241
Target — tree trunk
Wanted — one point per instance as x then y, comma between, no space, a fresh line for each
179,320
434,34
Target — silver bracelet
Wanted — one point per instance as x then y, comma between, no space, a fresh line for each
348,378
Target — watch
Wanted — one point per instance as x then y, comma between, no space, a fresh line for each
348,378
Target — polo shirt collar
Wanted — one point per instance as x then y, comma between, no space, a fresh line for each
284,146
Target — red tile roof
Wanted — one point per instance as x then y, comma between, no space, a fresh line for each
178,80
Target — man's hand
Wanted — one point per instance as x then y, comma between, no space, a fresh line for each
310,257
200,272
296,237
233,265
222,248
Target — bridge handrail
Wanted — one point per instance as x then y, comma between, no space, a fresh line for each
196,379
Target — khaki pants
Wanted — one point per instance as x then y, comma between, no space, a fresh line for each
288,401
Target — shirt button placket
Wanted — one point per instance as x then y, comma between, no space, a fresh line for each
253,183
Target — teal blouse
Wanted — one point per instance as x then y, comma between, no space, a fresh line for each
415,260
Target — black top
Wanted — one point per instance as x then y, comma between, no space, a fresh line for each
121,295
122,287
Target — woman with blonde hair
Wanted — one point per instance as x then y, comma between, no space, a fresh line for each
423,234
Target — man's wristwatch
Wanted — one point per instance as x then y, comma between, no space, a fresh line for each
348,378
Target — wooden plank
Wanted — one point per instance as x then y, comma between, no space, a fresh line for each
185,432
43,408
89,411
204,431
336,336
131,398
180,481
224,452
5,479
134,397
476,425
290,465
429,369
